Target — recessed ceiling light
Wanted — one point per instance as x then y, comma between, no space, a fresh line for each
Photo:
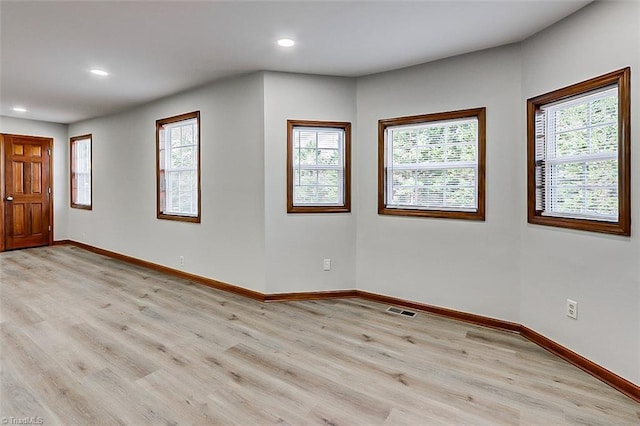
99,72
286,42
19,109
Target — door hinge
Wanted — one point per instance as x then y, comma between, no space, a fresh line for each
49,151
49,228
49,190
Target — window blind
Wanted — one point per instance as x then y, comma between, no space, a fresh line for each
318,166
576,168
179,167
82,171
433,165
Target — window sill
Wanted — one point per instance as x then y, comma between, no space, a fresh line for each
318,209
81,206
614,228
191,219
443,214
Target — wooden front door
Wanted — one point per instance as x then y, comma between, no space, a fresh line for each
26,195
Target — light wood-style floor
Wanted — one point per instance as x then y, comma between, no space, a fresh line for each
90,340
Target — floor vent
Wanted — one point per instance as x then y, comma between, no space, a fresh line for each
399,311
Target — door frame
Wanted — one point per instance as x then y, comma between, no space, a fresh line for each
49,147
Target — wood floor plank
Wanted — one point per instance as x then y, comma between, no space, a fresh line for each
119,396
19,399
128,362
87,339
70,354
189,401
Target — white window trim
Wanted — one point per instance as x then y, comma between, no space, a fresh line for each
390,167
340,167
81,188
82,170
169,170
552,161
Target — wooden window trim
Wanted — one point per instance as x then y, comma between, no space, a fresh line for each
622,78
159,124
346,127
480,114
72,174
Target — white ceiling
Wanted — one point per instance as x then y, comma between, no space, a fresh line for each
156,48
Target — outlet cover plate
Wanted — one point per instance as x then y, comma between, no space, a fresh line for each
326,265
572,309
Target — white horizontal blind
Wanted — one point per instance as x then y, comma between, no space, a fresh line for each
581,157
179,163
433,166
318,166
82,171
540,157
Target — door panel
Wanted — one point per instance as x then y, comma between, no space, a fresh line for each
36,151
19,220
36,178
26,195
18,178
36,219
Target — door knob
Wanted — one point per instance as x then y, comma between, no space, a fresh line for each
9,198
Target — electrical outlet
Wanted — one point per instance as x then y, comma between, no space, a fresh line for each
181,260
326,265
572,309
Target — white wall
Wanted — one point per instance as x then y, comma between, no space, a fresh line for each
602,273
228,245
297,243
244,219
489,268
60,154
465,265
416,258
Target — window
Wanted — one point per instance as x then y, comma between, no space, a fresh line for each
578,156
81,172
178,157
433,165
318,167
